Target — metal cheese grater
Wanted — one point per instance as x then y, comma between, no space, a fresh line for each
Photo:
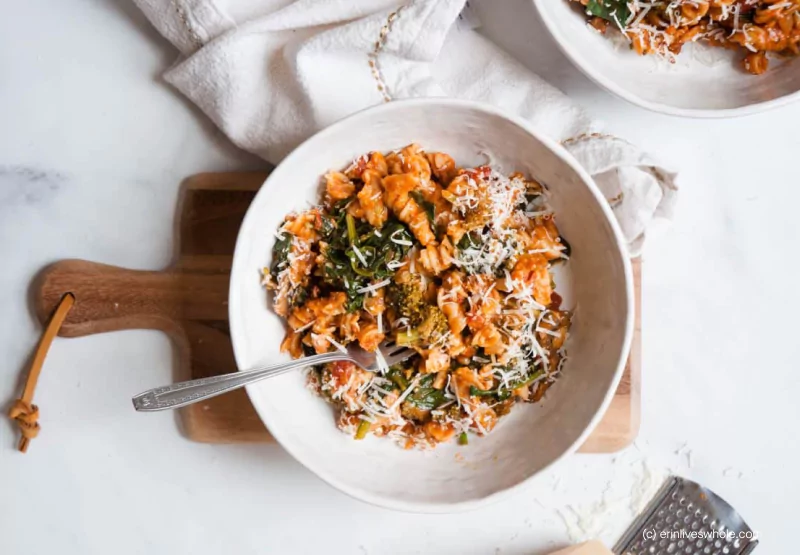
684,518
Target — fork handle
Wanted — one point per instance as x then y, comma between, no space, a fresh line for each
185,393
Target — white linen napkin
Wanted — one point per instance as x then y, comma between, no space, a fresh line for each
270,73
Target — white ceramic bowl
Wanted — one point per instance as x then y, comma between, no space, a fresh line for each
532,437
705,82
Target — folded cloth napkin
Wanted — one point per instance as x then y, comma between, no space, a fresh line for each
270,73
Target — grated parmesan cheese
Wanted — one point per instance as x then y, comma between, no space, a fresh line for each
397,241
332,342
305,327
374,286
382,366
360,256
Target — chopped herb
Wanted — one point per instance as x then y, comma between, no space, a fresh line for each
463,439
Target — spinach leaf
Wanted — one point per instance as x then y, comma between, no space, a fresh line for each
427,206
427,398
343,268
354,302
615,11
328,225
469,240
280,254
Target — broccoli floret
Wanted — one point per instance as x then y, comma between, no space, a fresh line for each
408,299
428,322
434,324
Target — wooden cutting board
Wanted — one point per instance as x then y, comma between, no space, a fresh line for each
188,301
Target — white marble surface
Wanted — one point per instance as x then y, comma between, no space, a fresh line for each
93,147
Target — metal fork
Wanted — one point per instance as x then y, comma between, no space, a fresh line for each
185,393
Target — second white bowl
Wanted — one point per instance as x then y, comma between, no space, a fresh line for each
705,81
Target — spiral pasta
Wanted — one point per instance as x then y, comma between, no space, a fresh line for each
338,186
452,293
398,188
375,304
369,336
442,166
437,258
531,271
349,326
371,199
488,337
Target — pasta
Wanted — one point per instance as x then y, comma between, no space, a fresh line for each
452,262
755,27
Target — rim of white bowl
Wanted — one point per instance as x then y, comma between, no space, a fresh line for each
387,501
598,78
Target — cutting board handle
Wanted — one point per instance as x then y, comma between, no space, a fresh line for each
108,298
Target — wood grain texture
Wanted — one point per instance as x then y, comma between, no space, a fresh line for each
188,301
